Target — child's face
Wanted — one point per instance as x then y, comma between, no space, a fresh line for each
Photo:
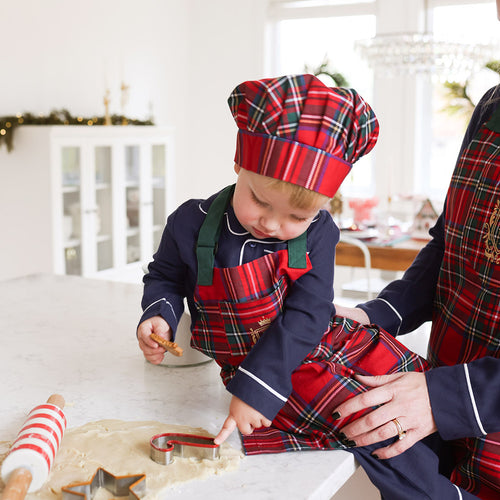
265,211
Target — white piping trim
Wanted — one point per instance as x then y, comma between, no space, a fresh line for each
256,241
395,312
230,229
263,384
166,302
459,492
155,302
473,400
201,209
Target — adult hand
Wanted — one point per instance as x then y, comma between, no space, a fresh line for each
152,351
402,396
244,417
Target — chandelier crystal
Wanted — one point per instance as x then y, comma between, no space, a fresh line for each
398,54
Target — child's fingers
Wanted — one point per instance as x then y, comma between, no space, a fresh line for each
266,422
149,346
156,325
227,429
155,359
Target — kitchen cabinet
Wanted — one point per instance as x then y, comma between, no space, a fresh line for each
106,193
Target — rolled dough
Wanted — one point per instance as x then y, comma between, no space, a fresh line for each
122,448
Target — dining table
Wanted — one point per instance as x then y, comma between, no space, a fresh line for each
396,255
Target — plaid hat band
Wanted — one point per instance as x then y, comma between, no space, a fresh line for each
285,159
297,129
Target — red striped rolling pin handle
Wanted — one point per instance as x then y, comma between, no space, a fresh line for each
19,480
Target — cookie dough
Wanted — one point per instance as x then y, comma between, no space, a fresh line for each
122,448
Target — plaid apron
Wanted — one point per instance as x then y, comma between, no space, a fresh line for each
466,319
237,305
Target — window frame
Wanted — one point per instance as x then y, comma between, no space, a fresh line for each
403,104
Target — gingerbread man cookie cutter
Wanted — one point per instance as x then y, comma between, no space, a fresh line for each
132,486
163,447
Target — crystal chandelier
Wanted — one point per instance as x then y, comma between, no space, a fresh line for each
399,54
421,53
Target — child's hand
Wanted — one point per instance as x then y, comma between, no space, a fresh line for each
354,313
151,350
242,416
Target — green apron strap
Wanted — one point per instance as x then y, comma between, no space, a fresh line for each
206,248
494,122
209,234
297,252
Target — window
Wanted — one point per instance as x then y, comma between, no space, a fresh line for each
469,22
306,44
418,151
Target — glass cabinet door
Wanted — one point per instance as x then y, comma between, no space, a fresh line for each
115,196
133,201
72,211
159,172
104,204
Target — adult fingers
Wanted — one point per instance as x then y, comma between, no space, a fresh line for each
407,413
380,394
377,380
399,446
372,427
363,401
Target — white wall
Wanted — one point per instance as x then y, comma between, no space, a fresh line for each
64,53
226,46
180,57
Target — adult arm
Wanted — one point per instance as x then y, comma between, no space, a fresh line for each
405,304
458,401
464,398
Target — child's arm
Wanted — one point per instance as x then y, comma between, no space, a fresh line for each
164,283
152,351
242,416
264,378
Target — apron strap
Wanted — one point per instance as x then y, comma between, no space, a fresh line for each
206,247
297,252
209,234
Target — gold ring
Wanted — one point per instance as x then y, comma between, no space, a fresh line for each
399,427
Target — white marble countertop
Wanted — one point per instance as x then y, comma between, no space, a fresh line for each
75,336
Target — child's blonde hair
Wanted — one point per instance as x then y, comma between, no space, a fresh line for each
300,197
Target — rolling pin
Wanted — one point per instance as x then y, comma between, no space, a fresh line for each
28,463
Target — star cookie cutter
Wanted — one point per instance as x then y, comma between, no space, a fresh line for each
163,447
132,486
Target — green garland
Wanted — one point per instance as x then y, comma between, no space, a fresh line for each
57,117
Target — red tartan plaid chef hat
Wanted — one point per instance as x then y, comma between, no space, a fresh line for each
297,129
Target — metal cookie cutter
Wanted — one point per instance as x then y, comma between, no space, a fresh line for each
163,447
132,486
